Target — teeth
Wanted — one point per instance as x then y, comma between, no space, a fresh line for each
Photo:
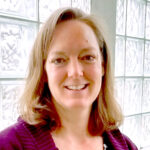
76,87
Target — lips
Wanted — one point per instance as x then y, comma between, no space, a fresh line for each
76,87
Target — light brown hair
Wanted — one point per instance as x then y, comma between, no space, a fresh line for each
36,106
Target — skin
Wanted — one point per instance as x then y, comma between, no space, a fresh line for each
74,59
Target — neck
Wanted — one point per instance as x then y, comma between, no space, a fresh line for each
74,122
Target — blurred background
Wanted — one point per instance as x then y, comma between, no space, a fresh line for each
128,24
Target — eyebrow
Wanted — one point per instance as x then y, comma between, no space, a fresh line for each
60,52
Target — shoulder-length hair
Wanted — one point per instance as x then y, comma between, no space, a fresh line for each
36,106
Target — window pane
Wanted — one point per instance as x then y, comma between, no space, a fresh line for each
82,4
133,95
46,7
120,90
147,59
146,130
10,92
148,21
146,96
119,56
120,17
132,128
16,41
134,57
136,18
20,8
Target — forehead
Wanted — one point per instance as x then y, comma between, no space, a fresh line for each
72,25
73,31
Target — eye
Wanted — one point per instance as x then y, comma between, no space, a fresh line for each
88,58
59,61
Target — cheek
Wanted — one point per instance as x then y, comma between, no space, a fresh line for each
94,71
55,76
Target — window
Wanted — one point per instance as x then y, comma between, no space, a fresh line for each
132,68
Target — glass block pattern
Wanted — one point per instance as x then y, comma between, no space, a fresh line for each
46,7
121,17
9,95
134,57
133,95
119,56
82,4
147,59
120,90
136,18
132,128
146,96
148,21
20,8
146,130
16,41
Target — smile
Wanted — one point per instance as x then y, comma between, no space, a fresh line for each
76,87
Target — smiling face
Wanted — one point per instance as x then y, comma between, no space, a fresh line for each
74,65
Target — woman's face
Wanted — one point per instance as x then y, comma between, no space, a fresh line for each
74,65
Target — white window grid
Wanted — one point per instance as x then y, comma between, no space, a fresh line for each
132,68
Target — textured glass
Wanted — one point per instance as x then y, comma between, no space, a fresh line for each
133,95
146,130
46,7
121,17
146,96
147,59
16,41
148,21
132,128
85,5
19,8
10,92
136,18
134,57
120,90
119,56
145,148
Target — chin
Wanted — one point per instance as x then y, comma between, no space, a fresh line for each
78,105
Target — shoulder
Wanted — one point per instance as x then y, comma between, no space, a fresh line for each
9,138
130,144
118,140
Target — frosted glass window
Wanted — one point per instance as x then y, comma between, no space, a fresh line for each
120,56
145,130
132,68
147,59
132,128
120,91
19,8
9,94
134,57
146,95
16,41
120,17
136,18
46,7
132,97
82,4
148,21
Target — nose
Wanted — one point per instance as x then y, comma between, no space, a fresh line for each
75,68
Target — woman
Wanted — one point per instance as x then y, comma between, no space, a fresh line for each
68,102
